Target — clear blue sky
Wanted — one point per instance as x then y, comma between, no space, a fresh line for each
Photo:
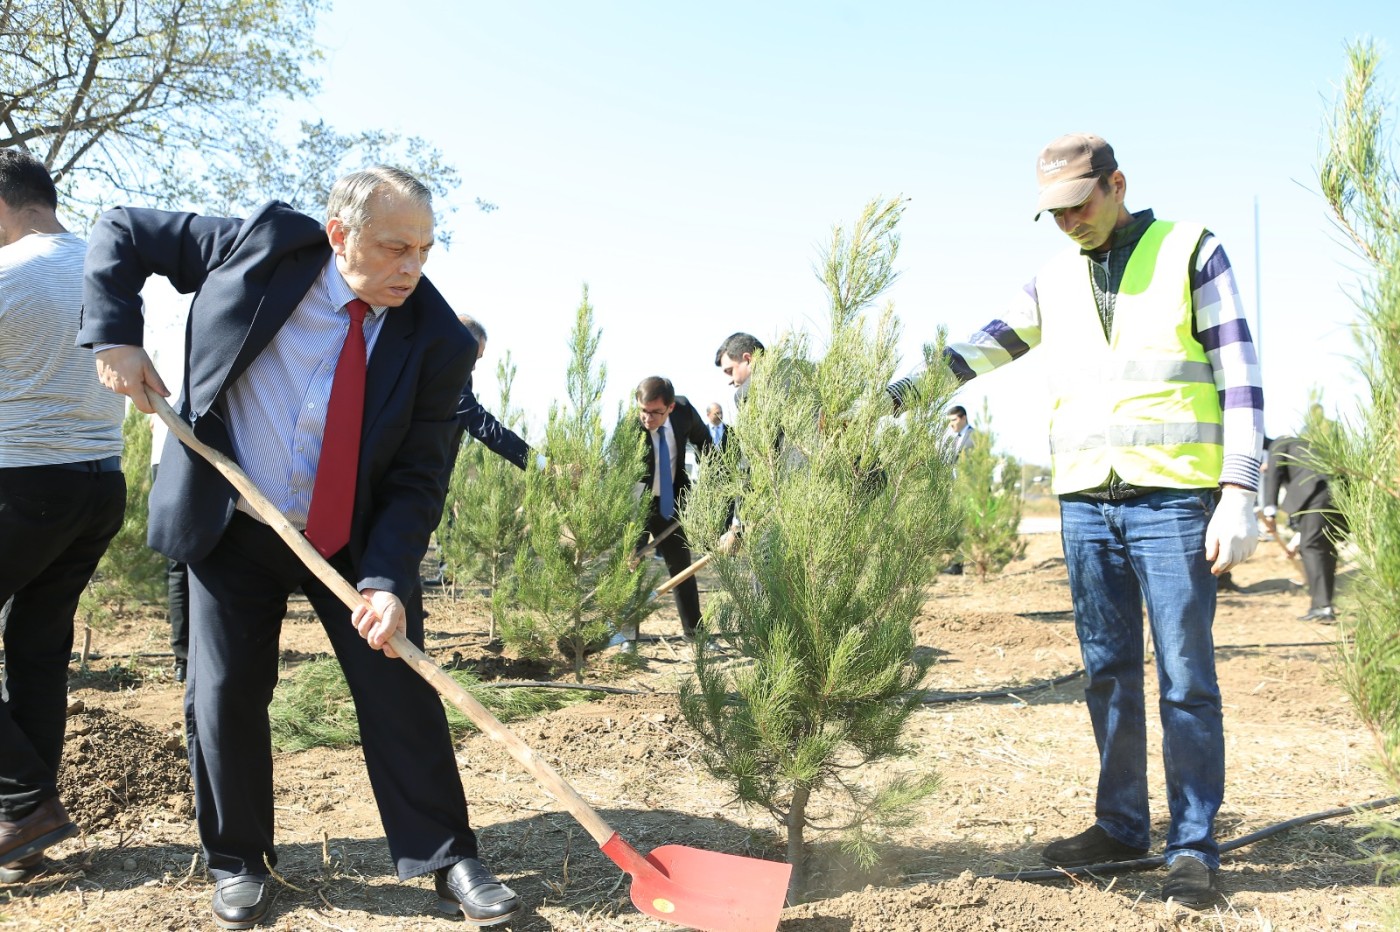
685,160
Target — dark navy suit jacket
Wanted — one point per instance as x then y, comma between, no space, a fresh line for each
248,276
481,424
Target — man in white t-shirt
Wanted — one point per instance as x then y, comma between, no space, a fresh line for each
62,495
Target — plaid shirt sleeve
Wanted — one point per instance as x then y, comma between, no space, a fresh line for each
1224,333
1008,337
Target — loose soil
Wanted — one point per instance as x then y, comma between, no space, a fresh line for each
1018,770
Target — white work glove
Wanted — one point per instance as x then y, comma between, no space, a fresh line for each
1233,532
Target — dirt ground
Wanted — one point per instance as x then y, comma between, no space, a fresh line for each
1017,771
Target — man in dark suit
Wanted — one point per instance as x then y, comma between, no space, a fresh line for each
482,425
1308,502
669,422
320,360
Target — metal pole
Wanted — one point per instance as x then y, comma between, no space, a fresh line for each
1258,297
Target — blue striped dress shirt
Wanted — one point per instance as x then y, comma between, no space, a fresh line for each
276,410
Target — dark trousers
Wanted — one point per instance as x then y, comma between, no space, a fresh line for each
177,593
55,525
1318,532
177,601
238,597
675,550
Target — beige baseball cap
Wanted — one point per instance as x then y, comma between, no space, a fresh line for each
1069,168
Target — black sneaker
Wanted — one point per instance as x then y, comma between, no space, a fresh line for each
1091,846
1190,883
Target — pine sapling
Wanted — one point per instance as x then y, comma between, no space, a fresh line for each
847,514
987,490
483,524
1359,180
574,579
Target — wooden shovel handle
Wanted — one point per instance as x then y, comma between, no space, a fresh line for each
446,686
683,575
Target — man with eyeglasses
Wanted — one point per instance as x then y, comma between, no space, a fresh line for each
670,421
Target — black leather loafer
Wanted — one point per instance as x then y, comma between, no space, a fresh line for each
1190,883
240,902
470,889
1091,846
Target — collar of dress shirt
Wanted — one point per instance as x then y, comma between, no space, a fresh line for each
338,293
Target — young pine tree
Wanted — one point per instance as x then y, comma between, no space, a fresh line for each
483,524
574,582
847,516
1359,180
987,490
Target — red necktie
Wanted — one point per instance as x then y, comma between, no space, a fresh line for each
333,495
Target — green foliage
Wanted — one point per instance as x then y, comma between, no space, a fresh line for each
847,517
1359,179
129,570
168,102
987,489
313,708
574,583
483,523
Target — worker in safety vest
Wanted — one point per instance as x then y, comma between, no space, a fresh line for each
1155,444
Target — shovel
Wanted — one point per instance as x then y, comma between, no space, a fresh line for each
687,886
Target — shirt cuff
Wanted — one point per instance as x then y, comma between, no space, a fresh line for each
1240,470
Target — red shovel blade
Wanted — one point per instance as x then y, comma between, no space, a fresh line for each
704,889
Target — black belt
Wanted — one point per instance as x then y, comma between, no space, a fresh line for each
106,464
1115,491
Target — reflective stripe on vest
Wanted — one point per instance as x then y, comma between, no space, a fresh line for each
1143,403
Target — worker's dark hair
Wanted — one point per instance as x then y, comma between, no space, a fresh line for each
25,182
736,345
654,388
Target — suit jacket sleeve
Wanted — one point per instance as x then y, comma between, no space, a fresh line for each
126,247
482,425
1276,476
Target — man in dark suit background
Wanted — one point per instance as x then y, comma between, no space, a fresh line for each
719,431
482,425
274,345
669,422
1307,500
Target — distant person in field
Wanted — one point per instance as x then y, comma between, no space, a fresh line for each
959,439
324,363
959,430
480,424
714,416
1155,448
670,422
1307,500
62,495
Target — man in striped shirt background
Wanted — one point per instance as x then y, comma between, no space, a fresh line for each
62,495
1156,437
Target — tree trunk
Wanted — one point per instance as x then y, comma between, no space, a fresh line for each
491,635
796,850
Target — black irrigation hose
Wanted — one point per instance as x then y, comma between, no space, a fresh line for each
1009,691
1157,860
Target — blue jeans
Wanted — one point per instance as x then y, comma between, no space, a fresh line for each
1119,555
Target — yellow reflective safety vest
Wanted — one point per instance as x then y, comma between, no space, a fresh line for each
1143,402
